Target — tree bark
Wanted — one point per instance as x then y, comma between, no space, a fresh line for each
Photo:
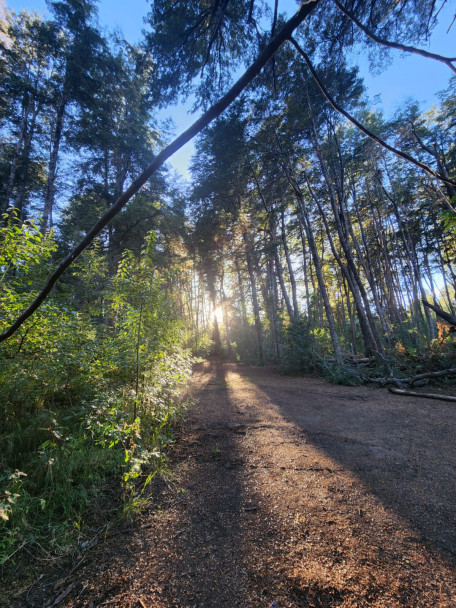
241,290
20,194
256,306
290,269
49,195
303,212
17,154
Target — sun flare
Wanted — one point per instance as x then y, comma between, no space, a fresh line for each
218,314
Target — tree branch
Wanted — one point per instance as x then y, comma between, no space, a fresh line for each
361,127
399,382
446,316
398,391
448,61
283,35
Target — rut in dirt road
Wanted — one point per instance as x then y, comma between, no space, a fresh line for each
295,493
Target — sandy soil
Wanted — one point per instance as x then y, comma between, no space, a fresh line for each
287,492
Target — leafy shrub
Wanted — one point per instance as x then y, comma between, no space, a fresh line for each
88,390
299,350
347,374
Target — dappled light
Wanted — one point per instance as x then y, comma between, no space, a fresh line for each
279,496
228,383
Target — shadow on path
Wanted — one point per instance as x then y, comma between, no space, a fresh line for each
287,491
209,545
401,448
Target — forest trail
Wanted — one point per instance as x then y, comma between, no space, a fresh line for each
289,492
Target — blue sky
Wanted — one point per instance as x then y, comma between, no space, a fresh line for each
408,76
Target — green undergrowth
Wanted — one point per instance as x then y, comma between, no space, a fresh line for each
90,389
307,351
67,475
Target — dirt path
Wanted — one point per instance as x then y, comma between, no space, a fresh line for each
290,492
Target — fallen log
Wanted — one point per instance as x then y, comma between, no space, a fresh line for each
442,372
400,391
400,382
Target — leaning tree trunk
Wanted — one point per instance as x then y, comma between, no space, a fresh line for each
349,269
413,259
371,338
368,267
370,345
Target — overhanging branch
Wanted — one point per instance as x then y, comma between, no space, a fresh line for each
283,35
361,127
448,61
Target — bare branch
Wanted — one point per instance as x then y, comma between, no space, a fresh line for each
361,127
451,24
448,61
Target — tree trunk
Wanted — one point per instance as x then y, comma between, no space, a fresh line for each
271,300
49,195
304,216
283,289
17,154
241,290
290,269
413,260
20,195
256,307
305,272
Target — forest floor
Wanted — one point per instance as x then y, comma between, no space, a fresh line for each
286,492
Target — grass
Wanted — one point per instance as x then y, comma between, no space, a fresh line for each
65,481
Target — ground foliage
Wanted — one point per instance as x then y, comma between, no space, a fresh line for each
88,392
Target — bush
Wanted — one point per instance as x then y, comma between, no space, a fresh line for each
88,391
299,350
